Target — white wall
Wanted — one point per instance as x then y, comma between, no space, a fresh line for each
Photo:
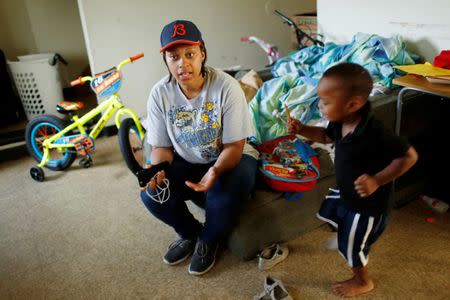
425,25
56,27
116,29
39,26
16,37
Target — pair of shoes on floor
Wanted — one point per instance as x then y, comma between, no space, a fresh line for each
272,255
203,258
273,290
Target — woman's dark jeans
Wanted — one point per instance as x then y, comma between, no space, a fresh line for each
222,202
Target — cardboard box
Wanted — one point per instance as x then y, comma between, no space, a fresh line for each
307,23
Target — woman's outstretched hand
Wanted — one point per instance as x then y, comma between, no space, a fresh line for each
206,182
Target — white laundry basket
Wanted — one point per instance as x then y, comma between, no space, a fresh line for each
38,82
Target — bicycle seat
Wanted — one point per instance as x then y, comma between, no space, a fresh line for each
66,107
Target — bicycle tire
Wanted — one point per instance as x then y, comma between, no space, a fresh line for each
130,143
37,130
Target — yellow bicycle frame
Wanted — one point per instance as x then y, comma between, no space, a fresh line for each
110,106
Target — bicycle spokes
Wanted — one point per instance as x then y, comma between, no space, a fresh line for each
44,132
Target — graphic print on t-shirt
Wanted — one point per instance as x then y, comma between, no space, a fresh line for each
197,128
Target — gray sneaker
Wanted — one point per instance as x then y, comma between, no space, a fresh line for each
272,255
273,290
178,251
203,258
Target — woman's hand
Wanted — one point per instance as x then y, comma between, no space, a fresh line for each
206,182
366,185
156,180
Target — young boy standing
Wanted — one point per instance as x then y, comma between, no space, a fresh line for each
367,160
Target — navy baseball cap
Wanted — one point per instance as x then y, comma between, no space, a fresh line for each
180,32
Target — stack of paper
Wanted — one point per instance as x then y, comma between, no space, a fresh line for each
425,69
438,79
431,73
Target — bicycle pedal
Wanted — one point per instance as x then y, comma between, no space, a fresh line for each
83,144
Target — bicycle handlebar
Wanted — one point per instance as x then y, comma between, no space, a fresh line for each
129,60
82,80
286,19
136,57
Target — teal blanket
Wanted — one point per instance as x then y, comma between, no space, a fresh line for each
297,76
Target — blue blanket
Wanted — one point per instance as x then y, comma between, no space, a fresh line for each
297,76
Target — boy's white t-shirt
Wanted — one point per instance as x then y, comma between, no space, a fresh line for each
197,128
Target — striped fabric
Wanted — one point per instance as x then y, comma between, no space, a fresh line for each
356,233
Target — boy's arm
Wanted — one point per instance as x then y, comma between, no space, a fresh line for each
315,134
365,184
397,167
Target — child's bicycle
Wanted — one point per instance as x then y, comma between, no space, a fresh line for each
55,144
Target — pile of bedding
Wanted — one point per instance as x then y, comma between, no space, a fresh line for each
297,76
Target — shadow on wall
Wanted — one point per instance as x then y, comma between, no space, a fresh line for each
422,47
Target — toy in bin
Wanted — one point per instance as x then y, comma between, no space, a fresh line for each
288,164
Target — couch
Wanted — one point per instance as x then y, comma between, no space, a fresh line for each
267,217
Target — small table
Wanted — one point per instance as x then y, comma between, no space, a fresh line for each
419,83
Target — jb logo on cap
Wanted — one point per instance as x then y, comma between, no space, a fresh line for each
178,29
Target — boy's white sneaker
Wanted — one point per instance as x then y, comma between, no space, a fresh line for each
332,243
272,255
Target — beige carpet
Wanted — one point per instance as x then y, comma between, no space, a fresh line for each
84,234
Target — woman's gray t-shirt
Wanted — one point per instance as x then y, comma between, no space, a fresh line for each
197,128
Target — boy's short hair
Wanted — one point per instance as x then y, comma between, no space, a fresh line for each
356,79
